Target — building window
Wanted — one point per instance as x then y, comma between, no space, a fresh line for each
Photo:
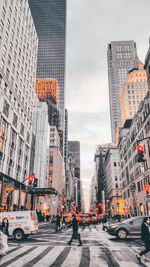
15,119
4,50
7,73
1,26
6,108
2,64
139,186
28,137
9,59
22,129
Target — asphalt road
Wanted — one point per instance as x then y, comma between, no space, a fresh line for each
48,248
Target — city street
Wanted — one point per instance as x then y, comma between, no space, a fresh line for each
49,248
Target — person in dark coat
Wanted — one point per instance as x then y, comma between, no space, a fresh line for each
58,223
75,234
4,228
104,221
145,237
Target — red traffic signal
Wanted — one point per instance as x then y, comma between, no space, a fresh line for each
147,188
140,149
30,179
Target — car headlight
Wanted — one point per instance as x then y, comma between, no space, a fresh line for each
114,226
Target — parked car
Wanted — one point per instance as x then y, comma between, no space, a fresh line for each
21,223
130,226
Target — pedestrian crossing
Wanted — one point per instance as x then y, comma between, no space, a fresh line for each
74,256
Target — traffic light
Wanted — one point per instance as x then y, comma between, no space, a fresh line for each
30,179
140,151
147,188
35,184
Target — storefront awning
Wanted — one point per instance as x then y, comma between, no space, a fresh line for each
42,191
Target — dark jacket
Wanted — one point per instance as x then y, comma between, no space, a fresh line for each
4,228
104,219
74,225
145,232
58,219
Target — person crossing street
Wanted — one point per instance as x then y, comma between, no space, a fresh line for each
145,236
75,234
58,223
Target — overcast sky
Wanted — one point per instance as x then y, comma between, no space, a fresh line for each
91,25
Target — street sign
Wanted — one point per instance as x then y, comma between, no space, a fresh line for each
9,187
42,191
142,167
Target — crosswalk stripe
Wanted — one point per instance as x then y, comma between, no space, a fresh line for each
96,257
48,259
73,258
15,256
85,259
128,263
30,254
60,259
40,256
50,256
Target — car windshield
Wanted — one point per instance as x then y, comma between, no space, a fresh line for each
133,219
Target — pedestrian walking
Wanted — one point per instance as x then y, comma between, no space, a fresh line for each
58,223
104,221
75,234
145,237
4,236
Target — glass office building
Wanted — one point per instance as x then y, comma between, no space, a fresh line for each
50,21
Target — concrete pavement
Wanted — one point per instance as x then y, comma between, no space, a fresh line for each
48,248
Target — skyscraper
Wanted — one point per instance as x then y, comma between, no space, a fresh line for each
74,150
133,92
50,21
121,56
18,57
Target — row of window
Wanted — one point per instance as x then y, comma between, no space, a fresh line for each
137,86
139,186
6,109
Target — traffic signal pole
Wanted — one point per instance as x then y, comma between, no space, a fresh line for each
138,141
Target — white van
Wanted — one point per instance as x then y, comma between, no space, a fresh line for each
21,223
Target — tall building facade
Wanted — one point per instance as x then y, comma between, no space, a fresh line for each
56,173
133,92
121,56
41,130
50,21
47,91
18,57
135,175
99,160
74,149
113,197
147,65
93,192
